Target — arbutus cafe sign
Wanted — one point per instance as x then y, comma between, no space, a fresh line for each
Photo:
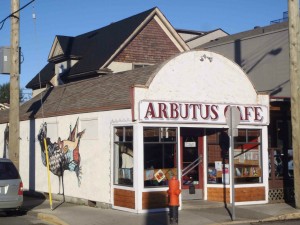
181,112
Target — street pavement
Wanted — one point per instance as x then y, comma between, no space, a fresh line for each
192,213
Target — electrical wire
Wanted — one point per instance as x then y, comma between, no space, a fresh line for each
12,14
42,107
34,18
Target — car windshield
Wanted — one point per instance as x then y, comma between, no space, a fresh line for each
8,171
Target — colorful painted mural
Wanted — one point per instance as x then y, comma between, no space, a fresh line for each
63,154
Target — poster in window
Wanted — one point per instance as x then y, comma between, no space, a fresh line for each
218,165
212,175
149,175
159,175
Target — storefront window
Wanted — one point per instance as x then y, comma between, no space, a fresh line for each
123,156
247,156
160,149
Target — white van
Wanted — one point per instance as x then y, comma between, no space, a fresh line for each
11,186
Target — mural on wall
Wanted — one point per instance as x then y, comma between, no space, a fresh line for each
63,154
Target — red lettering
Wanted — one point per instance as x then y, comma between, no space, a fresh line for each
174,111
247,112
186,111
239,108
214,111
162,110
193,106
150,111
257,115
206,111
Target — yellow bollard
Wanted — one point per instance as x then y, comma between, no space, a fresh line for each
48,172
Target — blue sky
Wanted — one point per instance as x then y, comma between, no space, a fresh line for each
74,17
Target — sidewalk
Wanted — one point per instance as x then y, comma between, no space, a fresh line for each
208,213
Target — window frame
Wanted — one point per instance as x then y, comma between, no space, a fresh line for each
116,165
161,140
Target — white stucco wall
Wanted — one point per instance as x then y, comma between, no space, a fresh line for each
194,76
200,76
95,155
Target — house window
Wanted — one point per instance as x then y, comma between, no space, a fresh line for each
247,156
139,65
160,150
90,127
123,156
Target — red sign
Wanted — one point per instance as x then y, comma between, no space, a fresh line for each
154,111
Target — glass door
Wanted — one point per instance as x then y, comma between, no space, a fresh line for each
192,165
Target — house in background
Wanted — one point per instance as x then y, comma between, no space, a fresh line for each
263,53
138,41
195,38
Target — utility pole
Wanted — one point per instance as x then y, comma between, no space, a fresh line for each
295,91
14,118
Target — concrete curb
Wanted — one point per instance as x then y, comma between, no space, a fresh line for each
51,219
289,216
283,217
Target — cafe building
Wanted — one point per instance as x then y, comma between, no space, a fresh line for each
181,131
129,133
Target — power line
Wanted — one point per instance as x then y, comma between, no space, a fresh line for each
12,14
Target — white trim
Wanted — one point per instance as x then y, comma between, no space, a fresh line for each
173,32
236,185
154,13
205,185
139,175
112,155
265,158
179,168
251,203
125,209
166,29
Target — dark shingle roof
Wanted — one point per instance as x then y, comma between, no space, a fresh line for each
65,44
245,34
43,77
95,47
107,92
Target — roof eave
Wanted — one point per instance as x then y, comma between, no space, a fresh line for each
156,11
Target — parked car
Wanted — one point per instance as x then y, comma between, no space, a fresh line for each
11,186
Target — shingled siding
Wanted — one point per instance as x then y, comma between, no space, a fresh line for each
151,45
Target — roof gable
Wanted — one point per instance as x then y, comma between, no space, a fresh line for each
57,50
60,49
154,41
96,49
